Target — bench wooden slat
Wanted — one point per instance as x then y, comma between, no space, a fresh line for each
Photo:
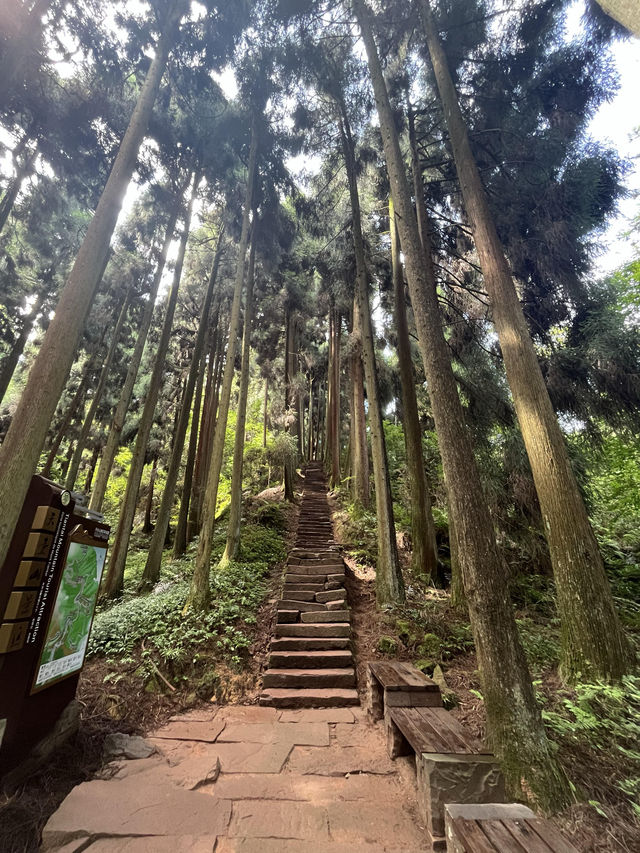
469,832
421,739
527,837
443,719
498,834
398,675
550,834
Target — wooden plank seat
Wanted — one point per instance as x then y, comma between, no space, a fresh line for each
451,765
396,684
500,828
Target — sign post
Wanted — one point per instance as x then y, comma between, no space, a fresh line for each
48,591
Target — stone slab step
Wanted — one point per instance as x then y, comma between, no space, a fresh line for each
301,678
303,586
324,659
309,698
308,644
319,571
293,593
331,595
311,629
305,607
287,616
292,577
326,616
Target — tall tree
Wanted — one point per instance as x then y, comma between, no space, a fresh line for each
514,723
21,448
592,638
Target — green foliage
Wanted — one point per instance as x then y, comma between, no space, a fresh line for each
387,645
271,515
606,718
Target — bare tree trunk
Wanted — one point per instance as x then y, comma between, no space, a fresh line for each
199,597
332,449
147,526
11,361
389,582
423,533
77,401
513,717
97,397
151,572
232,546
115,573
288,465
120,414
91,469
208,413
593,642
265,411
11,194
22,445
310,416
360,452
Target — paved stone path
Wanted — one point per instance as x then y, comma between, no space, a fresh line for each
248,779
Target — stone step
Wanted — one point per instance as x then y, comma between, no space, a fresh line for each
318,571
293,593
294,578
314,629
309,698
322,659
297,678
304,586
331,595
305,607
326,616
311,644
287,616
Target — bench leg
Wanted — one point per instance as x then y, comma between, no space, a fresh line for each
397,744
375,698
455,779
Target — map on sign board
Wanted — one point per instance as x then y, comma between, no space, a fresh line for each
68,632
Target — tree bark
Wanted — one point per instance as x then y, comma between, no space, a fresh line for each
115,573
147,526
265,412
199,597
151,572
11,360
389,582
22,445
288,465
180,538
423,534
593,642
91,469
235,510
360,448
332,449
310,417
120,414
513,718
72,473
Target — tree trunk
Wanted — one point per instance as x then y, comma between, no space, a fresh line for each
423,533
332,449
91,469
115,573
11,360
457,587
199,597
389,583
265,412
151,572
288,464
235,510
97,397
74,406
22,445
180,538
195,502
147,526
360,451
310,417
11,194
513,718
593,642
120,414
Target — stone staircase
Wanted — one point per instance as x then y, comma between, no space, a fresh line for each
310,660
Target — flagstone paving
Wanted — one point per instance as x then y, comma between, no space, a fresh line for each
248,779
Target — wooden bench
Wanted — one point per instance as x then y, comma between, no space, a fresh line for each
451,765
396,684
500,828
